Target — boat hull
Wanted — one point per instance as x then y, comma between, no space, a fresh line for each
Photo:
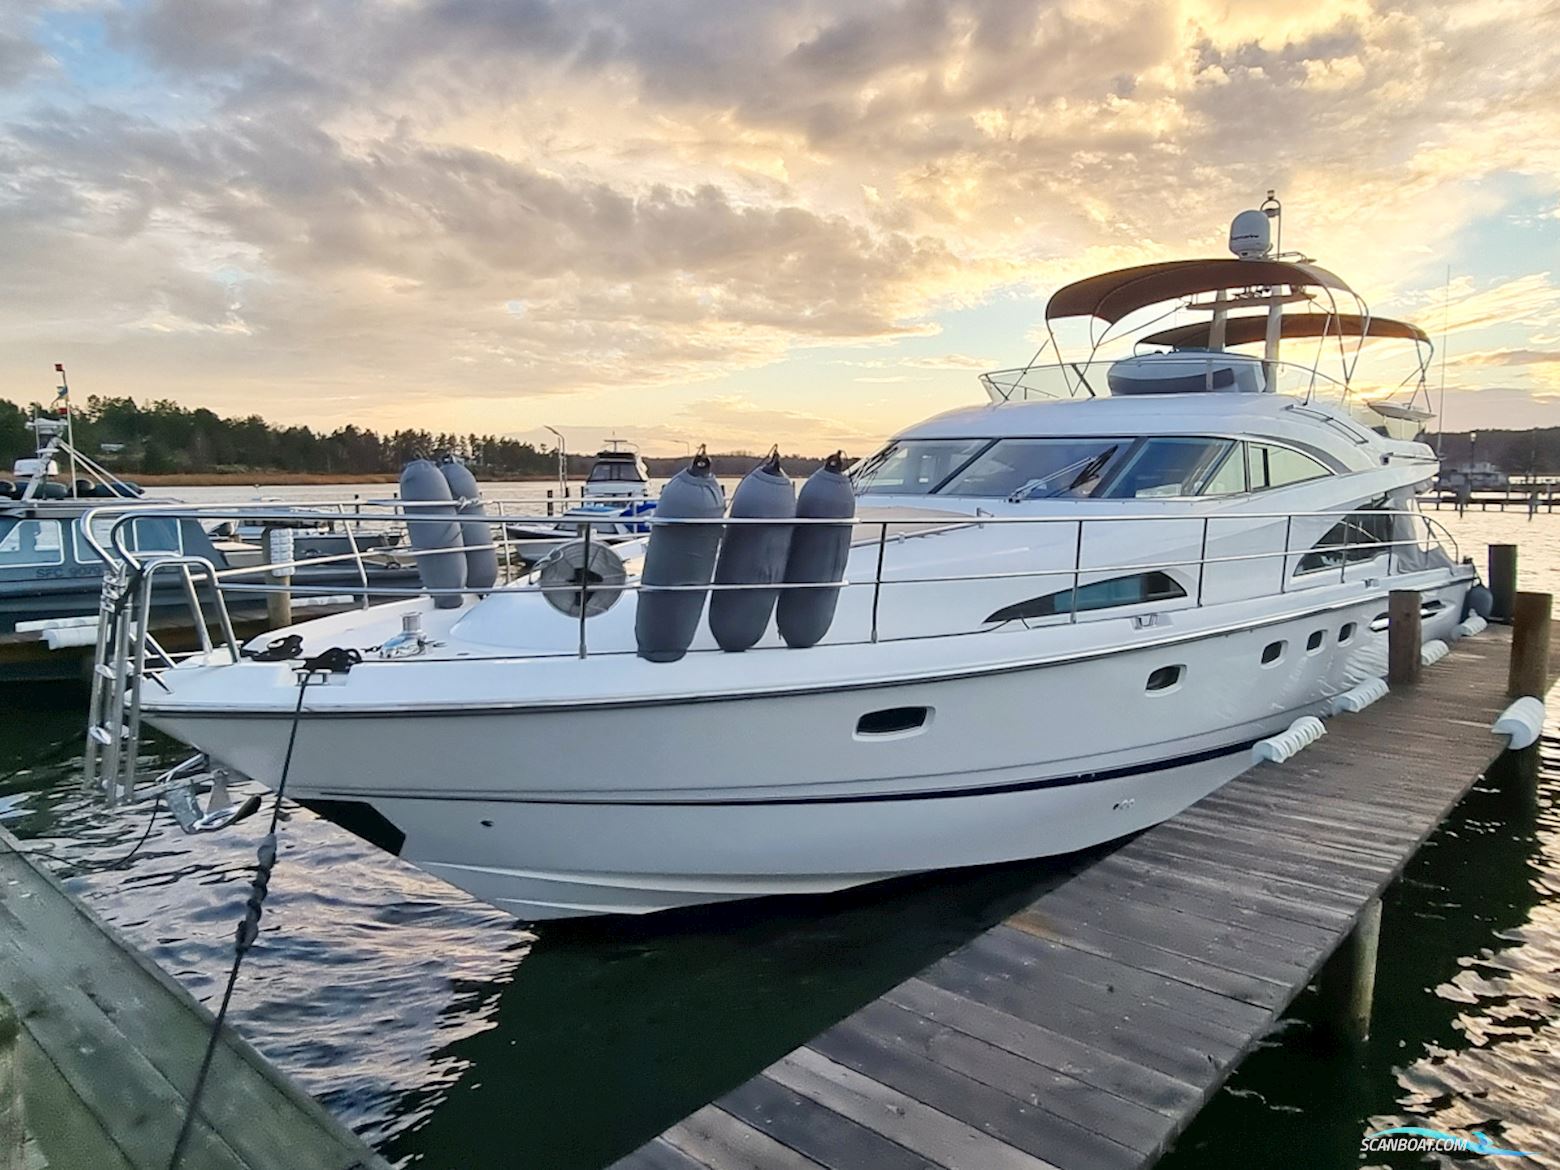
770,794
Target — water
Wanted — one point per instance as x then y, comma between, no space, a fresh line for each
451,1038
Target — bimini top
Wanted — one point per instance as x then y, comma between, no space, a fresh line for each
1250,329
1110,296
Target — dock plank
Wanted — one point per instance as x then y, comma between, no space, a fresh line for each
1085,1031
121,1039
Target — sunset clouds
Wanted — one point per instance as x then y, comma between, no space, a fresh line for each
696,222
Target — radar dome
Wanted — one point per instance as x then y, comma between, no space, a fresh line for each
1250,235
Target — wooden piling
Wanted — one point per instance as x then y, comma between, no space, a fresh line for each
12,1134
1530,645
1404,639
278,602
1348,981
1503,581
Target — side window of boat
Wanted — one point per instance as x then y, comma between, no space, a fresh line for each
1229,478
1271,467
1359,536
150,534
1169,467
27,543
1134,590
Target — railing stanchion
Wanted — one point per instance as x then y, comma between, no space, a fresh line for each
1343,566
197,614
1077,572
1283,574
1202,563
877,578
587,523
357,559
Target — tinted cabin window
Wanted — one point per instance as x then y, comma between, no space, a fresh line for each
1229,478
1036,469
1134,590
614,472
1270,467
1169,467
915,467
1360,536
24,543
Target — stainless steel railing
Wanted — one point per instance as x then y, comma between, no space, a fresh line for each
127,653
256,581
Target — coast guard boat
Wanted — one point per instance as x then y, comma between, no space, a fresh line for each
1055,619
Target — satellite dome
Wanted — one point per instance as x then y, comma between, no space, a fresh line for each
1250,235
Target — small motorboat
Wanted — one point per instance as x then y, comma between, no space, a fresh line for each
608,523
51,569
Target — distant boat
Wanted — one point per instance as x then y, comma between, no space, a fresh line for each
532,542
617,475
50,571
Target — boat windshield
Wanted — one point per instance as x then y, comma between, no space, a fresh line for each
1036,469
1019,469
914,467
618,471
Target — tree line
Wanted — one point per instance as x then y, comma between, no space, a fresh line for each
163,437
1533,452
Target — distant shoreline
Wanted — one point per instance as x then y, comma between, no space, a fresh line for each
262,478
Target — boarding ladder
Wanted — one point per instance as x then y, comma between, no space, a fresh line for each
127,654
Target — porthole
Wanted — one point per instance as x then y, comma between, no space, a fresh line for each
1345,633
892,721
1314,642
1379,623
1272,653
1166,678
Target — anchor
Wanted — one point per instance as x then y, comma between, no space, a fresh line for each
181,786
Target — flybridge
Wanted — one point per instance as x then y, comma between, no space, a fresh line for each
1197,357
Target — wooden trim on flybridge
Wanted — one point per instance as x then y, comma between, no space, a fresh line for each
1110,296
1252,329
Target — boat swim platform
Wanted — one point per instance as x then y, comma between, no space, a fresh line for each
1087,1030
99,1050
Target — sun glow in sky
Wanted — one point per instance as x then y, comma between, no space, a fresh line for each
740,223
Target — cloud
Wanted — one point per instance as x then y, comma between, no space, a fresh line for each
1510,357
336,206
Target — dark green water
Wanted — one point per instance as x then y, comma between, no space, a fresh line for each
454,1040
449,1036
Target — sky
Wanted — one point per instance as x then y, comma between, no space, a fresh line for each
809,223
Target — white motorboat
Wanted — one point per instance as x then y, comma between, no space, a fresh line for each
618,475
1062,619
609,523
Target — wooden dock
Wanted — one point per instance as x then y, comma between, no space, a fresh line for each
1086,1031
99,1049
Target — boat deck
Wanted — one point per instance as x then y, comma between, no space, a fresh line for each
99,1049
1086,1031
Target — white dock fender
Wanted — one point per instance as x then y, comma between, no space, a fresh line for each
1277,748
1522,722
1433,651
1474,625
1356,699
